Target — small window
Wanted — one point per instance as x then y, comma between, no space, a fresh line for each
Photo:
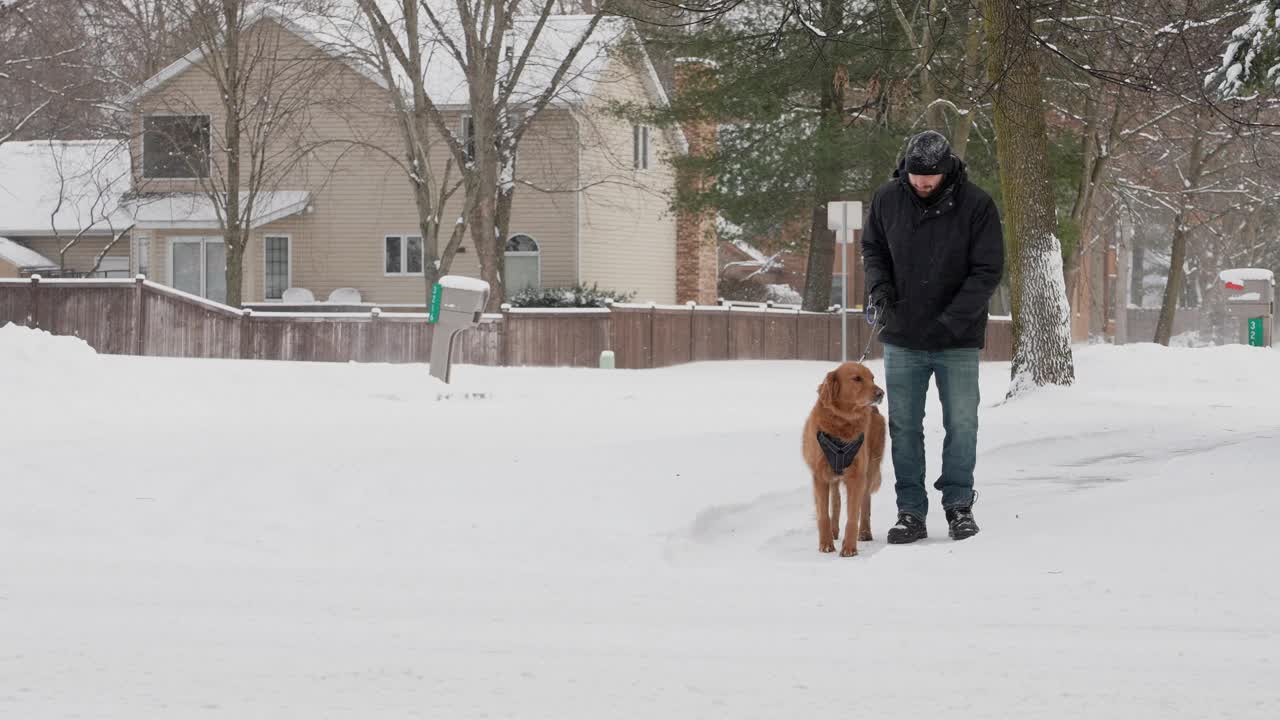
523,264
640,146
277,279
142,255
469,137
402,255
175,146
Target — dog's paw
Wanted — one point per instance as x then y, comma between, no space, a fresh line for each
835,534
865,536
847,551
827,546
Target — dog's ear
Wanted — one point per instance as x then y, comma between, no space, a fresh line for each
829,389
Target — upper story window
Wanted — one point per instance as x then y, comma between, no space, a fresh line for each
640,146
175,146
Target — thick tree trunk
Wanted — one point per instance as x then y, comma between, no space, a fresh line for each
235,272
973,68
826,177
233,93
1178,249
1041,316
817,284
1136,283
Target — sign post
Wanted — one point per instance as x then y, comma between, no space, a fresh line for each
844,217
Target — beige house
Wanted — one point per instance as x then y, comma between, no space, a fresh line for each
337,211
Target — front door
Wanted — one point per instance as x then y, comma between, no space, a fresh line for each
198,265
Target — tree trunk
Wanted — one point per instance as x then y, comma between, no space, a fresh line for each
1041,316
817,284
235,272
1178,251
233,94
1136,283
826,176
973,67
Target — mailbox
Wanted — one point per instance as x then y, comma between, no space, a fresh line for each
1251,304
456,305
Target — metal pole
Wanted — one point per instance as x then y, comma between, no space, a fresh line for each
841,243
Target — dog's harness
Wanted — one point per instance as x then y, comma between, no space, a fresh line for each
840,454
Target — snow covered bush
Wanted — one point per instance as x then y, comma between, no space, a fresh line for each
578,296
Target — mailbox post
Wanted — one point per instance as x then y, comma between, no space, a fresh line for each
1251,304
456,305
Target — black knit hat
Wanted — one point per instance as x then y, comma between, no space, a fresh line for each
928,153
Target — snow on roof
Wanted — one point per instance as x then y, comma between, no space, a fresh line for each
295,23
196,210
51,187
348,31
1242,274
21,256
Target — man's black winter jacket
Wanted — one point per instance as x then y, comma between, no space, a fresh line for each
943,256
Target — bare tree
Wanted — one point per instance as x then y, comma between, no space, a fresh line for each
501,54
261,138
1042,339
46,87
91,186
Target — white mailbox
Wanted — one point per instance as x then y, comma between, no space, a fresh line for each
456,305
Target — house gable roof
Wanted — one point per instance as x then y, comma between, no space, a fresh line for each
193,58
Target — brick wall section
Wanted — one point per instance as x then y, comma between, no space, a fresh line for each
697,267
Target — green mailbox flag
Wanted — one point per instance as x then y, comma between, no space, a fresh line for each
1256,333
433,312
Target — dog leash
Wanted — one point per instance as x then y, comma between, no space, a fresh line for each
873,319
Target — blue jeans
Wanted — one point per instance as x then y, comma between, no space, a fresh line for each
907,375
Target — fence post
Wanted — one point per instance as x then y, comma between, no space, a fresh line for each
795,346
693,316
653,310
371,342
246,334
764,329
139,315
33,303
504,337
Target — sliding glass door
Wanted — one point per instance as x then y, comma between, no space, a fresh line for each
198,265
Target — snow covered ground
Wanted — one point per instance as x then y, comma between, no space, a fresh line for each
192,539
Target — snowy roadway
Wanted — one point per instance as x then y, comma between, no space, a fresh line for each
202,539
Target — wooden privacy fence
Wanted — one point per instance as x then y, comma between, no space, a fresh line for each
138,317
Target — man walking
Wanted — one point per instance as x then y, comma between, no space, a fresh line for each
933,252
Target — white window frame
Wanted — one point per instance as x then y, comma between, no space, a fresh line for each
526,253
208,150
641,152
404,255
288,238
202,240
142,254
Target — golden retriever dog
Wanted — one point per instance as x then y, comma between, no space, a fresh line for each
845,428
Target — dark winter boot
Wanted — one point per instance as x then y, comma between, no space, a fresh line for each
960,523
908,530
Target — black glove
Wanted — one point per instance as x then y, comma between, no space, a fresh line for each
883,299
